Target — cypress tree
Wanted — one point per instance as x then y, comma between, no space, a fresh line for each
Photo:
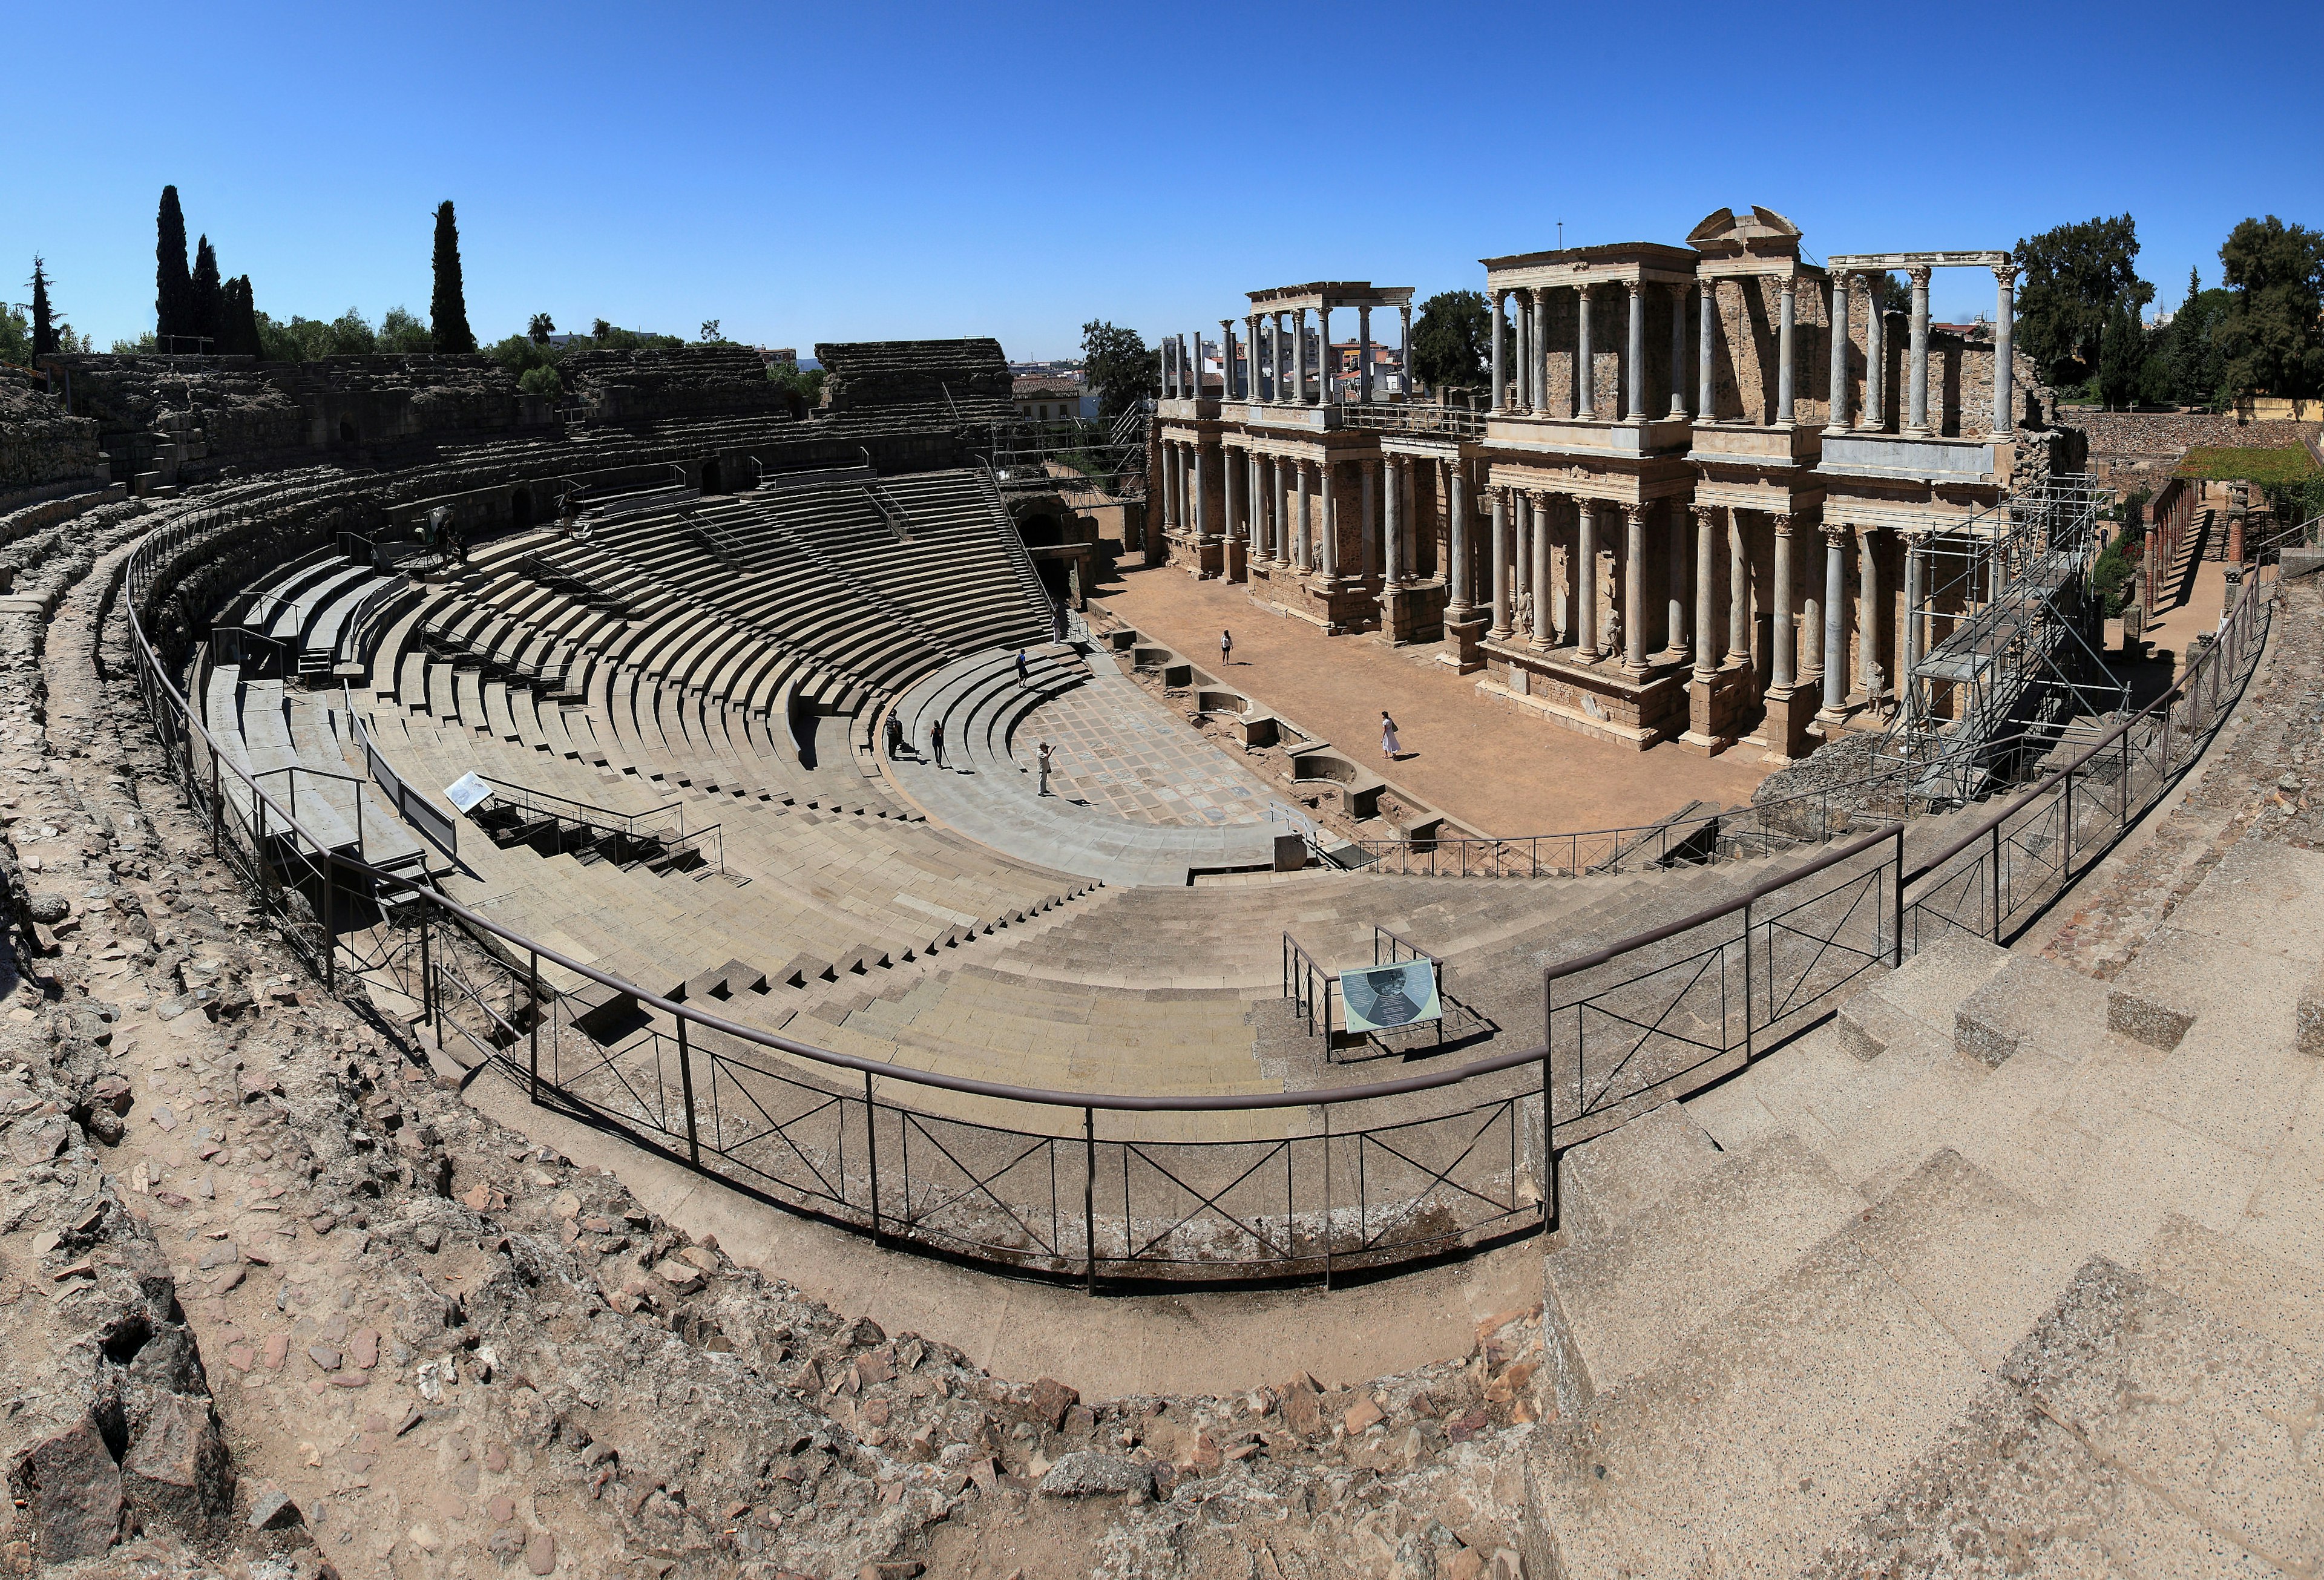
44,329
172,286
204,305
247,339
447,310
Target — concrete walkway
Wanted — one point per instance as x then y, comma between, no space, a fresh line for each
1482,761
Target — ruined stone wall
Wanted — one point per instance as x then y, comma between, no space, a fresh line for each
650,386
1747,375
969,374
40,444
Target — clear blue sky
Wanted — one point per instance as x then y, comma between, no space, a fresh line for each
860,171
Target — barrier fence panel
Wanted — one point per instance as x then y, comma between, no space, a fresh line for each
1098,1186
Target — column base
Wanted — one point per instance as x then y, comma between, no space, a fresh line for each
1463,635
1784,730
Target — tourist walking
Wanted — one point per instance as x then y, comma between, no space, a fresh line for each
895,737
1045,767
935,743
1226,649
1389,746
1021,668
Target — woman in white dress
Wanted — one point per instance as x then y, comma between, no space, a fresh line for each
1389,745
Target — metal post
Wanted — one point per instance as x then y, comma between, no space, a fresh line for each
686,1085
1749,1047
1327,1195
1896,948
1995,864
2125,778
1549,1203
871,1150
330,923
1089,1198
427,978
532,983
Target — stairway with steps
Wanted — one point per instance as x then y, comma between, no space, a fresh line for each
1960,1266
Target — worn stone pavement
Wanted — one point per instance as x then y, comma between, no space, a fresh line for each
1482,762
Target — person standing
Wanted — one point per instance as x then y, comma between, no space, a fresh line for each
935,742
895,737
1045,767
1226,649
1020,669
1389,746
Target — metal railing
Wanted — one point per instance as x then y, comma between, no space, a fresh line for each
641,828
1453,421
1261,1186
1666,1011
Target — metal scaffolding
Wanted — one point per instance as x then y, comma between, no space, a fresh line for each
1086,462
1998,650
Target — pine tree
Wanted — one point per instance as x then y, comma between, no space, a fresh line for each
174,288
447,310
44,329
205,318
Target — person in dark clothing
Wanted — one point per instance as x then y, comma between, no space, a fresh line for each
935,743
1022,666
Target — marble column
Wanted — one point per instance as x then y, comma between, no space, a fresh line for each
1500,626
1521,545
1302,527
1408,490
1785,384
1202,492
1255,504
1585,579
1226,359
1328,522
1499,334
1835,621
1738,593
1706,594
1835,420
1543,626
1323,368
1585,376
1364,355
1785,664
1678,352
1461,578
1282,359
1254,326
1173,495
1521,302
1194,366
1916,413
1297,394
1392,529
1869,618
1538,368
1279,547
1230,493
1876,355
1637,359
1676,621
1404,349
1706,355
2005,372
1634,582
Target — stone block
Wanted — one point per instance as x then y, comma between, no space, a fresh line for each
2308,1017
1082,1475
1982,1028
1871,1022
72,1491
1290,852
178,1467
2147,1017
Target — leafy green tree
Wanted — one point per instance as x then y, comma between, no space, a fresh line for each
1117,364
447,310
398,331
710,334
600,329
349,334
15,336
541,327
2273,342
205,305
544,379
1451,340
44,330
805,386
173,287
2076,275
